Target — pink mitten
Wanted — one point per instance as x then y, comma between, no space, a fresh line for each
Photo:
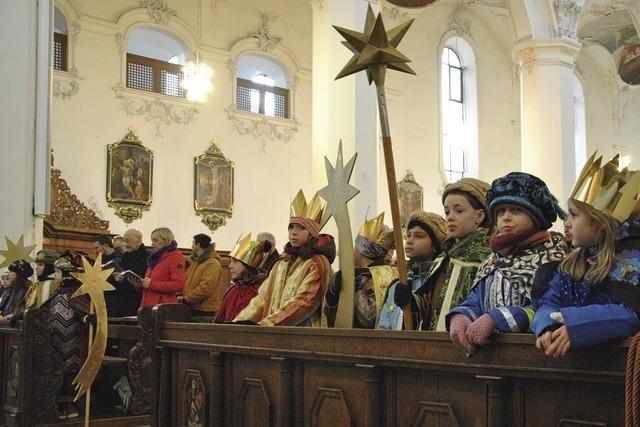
479,331
458,333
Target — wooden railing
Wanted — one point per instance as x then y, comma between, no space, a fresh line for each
231,375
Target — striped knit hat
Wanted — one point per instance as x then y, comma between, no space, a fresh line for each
307,215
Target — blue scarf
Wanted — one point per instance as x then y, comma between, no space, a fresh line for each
155,256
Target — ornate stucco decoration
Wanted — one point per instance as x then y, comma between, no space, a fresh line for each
67,210
64,86
213,5
457,21
567,13
263,37
394,13
319,4
264,129
213,187
154,109
159,10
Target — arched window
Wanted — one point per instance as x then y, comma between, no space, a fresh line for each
580,131
458,109
154,61
60,41
263,86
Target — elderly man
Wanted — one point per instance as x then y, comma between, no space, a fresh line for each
125,300
202,289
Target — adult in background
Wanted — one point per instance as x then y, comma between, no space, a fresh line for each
270,248
125,299
202,290
12,298
118,243
103,245
165,275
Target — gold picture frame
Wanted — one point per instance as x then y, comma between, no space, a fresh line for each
410,197
129,177
213,187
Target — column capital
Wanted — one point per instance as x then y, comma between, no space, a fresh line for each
531,53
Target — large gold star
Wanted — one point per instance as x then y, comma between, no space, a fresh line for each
375,49
94,283
15,252
338,191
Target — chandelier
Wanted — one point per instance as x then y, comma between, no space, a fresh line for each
197,80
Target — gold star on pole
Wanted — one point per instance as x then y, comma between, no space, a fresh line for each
337,193
375,49
15,252
94,283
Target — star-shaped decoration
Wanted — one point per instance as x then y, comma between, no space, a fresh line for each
93,278
338,191
375,49
16,251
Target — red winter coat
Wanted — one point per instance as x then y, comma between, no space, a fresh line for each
167,279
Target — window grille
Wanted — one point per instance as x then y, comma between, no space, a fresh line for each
59,52
152,75
262,99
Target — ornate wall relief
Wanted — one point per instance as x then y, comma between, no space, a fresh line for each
265,39
214,4
155,109
129,177
567,13
264,129
159,10
213,187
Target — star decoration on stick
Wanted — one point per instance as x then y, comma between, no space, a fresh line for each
338,191
94,283
15,252
375,49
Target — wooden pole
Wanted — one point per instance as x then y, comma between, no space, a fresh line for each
393,188
87,396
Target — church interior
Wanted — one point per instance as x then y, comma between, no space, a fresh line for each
208,117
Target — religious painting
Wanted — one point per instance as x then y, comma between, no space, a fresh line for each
409,197
129,177
629,67
213,187
194,400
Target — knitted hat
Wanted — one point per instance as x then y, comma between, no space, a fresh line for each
307,215
530,193
21,268
430,222
471,186
47,256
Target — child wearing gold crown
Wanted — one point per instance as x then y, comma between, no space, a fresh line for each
372,276
246,268
292,294
594,296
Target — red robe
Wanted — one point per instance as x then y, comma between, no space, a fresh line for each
236,298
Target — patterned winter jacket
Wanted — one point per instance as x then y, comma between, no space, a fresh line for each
503,285
604,313
450,279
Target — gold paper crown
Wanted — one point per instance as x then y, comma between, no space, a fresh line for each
607,189
371,228
313,210
385,239
247,251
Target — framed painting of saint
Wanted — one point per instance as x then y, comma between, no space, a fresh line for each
213,187
129,177
410,197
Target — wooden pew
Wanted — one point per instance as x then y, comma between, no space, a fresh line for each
32,376
250,375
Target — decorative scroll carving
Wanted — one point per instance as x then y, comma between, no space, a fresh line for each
254,399
67,210
434,413
155,110
14,376
47,364
457,21
158,10
567,13
262,128
65,89
330,407
139,363
263,37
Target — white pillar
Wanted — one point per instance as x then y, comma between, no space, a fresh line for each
547,111
19,24
343,109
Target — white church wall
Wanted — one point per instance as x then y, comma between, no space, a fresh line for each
414,100
267,173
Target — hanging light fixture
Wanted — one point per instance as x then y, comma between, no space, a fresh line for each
197,80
